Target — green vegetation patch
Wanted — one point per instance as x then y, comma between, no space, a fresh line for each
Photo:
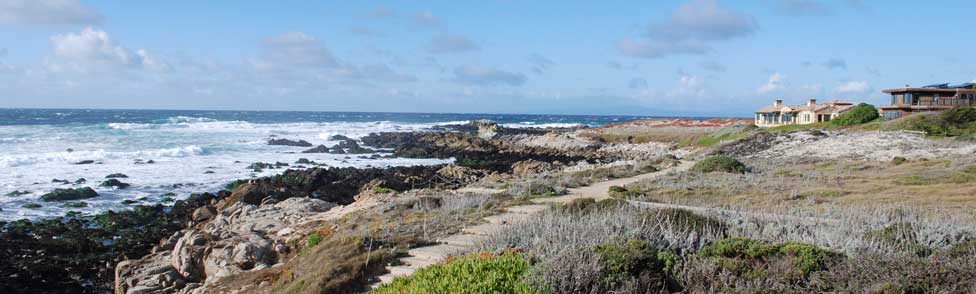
476,273
742,255
621,261
719,163
860,114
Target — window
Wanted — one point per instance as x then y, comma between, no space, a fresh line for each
894,99
908,99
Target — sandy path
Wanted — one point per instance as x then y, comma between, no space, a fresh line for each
471,238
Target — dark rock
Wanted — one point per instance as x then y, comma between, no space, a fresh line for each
17,193
339,138
318,149
79,204
344,147
31,205
114,183
128,202
116,176
150,161
209,172
304,161
279,164
286,142
85,162
63,182
259,166
80,181
70,194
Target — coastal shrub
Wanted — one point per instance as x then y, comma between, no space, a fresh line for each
617,189
901,236
860,114
719,163
741,255
337,265
70,194
623,261
960,116
476,273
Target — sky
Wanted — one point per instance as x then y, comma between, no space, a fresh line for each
662,58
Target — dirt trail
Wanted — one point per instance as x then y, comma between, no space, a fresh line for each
471,238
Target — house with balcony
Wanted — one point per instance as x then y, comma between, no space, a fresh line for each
811,112
931,98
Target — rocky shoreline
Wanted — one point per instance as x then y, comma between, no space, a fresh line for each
152,248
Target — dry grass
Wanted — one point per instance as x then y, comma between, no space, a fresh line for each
777,183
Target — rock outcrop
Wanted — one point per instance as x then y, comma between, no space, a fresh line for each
239,238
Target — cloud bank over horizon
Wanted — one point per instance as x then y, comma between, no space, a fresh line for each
694,57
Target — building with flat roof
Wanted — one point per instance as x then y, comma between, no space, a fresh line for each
938,97
811,112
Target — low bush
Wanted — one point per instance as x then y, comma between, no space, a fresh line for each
476,273
805,258
719,163
860,114
633,258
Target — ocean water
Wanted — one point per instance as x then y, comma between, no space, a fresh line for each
192,151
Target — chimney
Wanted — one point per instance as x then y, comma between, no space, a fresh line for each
811,102
778,103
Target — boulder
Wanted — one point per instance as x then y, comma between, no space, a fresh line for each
114,183
116,176
70,194
188,255
286,142
203,214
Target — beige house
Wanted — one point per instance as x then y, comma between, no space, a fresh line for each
779,114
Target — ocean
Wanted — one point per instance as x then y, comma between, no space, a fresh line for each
191,151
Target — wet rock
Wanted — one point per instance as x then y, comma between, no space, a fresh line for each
318,149
79,204
85,162
59,181
114,183
259,166
80,181
31,205
70,194
339,138
286,142
116,176
17,193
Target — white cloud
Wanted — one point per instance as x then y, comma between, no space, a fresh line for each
477,75
294,49
774,84
94,49
426,18
444,43
689,86
853,87
690,29
47,12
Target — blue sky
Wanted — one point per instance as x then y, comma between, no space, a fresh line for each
692,57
